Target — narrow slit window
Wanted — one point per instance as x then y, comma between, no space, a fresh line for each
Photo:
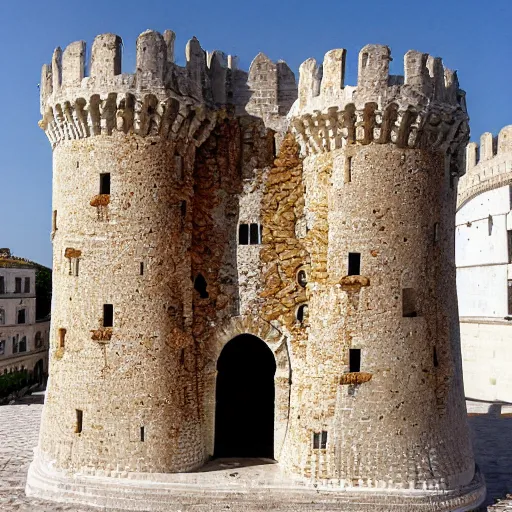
348,169
316,441
243,234
436,361
76,266
105,183
142,434
27,285
200,285
323,441
302,311
54,220
79,421
409,302
261,233
108,315
141,268
62,337
354,360
436,232
354,263
183,208
254,237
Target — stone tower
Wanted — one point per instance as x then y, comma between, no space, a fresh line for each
212,298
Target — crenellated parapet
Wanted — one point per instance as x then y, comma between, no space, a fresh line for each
160,97
422,109
488,165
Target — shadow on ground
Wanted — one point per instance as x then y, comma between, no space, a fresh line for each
492,443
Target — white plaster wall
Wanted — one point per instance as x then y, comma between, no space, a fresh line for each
494,202
487,360
10,275
482,291
481,254
11,307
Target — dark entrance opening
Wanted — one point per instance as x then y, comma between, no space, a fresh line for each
244,414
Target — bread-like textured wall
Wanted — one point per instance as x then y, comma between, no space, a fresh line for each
369,170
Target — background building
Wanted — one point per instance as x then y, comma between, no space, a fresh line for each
484,270
24,328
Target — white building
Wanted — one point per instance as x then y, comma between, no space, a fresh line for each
23,340
484,268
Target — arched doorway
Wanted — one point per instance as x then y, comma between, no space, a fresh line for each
244,413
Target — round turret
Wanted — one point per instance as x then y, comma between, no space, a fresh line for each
383,317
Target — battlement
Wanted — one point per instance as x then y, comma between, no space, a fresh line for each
489,148
425,80
422,109
71,90
488,165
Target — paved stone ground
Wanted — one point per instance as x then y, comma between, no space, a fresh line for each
491,425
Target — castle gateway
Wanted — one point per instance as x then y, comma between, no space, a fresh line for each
225,299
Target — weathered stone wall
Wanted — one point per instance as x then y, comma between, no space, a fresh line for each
191,153
136,377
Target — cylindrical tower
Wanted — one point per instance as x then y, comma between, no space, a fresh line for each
120,397
383,359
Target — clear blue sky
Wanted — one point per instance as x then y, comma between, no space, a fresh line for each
472,37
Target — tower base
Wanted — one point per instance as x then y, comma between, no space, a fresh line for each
236,485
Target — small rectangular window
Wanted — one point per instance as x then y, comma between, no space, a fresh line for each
108,315
17,285
79,421
105,183
323,443
254,234
354,360
348,169
23,344
142,434
27,285
316,441
409,302
76,266
21,316
243,234
54,220
141,268
2,284
354,263
62,337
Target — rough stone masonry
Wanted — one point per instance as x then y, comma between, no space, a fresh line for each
187,235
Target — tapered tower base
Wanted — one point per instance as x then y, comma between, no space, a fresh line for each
236,485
